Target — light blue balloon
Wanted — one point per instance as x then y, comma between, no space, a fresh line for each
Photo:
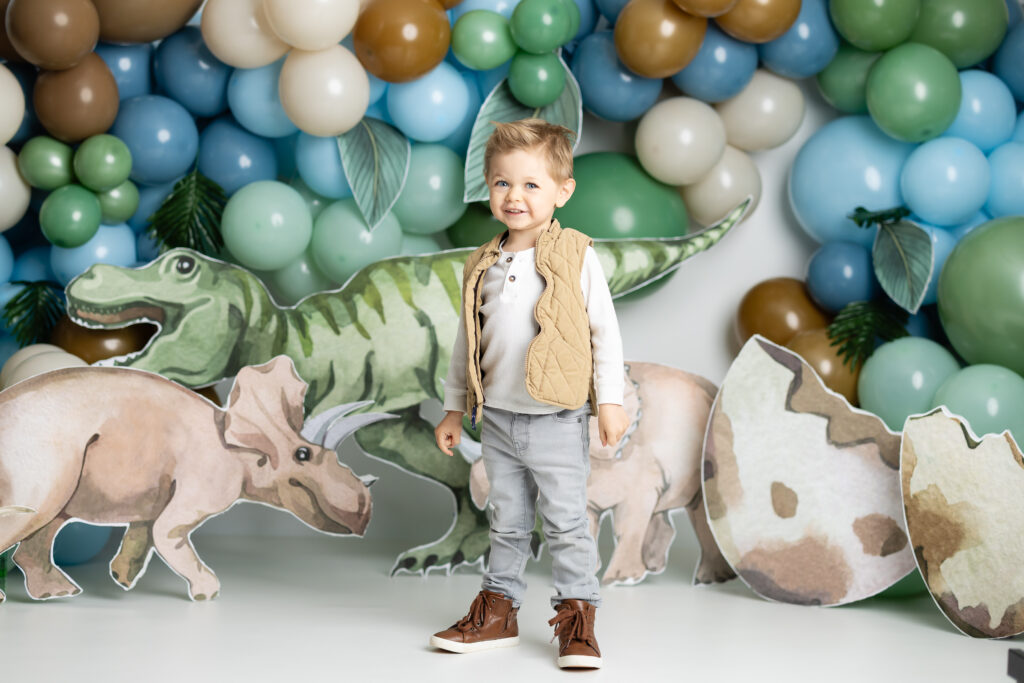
33,265
989,396
847,163
8,347
840,273
431,107
233,157
807,47
6,260
901,377
146,248
502,7
610,9
254,101
130,65
945,181
489,79
721,68
987,115
187,71
112,244
379,111
30,127
458,141
1006,195
943,242
1008,60
319,163
78,542
588,19
161,136
150,199
1018,130
609,89
977,219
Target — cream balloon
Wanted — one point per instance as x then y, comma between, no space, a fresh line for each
13,110
14,191
237,33
22,355
43,362
764,114
324,93
679,140
311,24
734,178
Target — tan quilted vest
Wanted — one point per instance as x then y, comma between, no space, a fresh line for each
560,361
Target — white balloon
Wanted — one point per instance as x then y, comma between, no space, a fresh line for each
679,140
237,33
13,110
764,114
14,191
43,362
324,93
22,355
311,24
734,178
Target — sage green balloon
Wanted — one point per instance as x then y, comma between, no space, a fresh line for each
70,216
913,92
874,24
298,279
536,80
574,20
419,244
266,225
540,26
989,396
342,242
314,202
102,162
477,226
843,83
431,199
481,40
901,377
966,31
118,204
45,163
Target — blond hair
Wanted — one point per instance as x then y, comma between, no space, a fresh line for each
554,141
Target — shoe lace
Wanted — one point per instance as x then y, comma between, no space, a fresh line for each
571,624
477,611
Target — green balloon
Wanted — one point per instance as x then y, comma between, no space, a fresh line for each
314,202
874,24
574,20
481,40
477,226
298,279
966,31
70,216
45,163
419,244
536,80
342,242
118,204
989,396
266,225
540,26
913,92
981,297
901,377
103,162
431,198
843,83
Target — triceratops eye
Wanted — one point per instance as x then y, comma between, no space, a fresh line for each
302,454
185,265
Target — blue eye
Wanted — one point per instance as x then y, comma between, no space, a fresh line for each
532,185
501,183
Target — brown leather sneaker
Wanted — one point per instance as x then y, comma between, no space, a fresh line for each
574,626
491,623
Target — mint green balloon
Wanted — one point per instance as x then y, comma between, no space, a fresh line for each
102,162
540,26
989,396
118,204
481,40
45,163
913,92
901,377
266,225
298,279
843,83
342,242
413,245
536,80
431,198
70,216
874,24
314,202
477,226
966,31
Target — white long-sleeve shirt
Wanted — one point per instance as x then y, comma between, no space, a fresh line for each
510,290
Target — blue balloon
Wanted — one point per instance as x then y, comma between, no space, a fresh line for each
502,7
458,141
233,157
150,199
113,244
943,242
254,101
945,181
987,113
6,260
588,19
959,231
491,78
807,47
8,347
610,9
840,273
319,163
1008,59
721,68
146,248
30,127
78,542
284,148
847,163
922,324
130,65
1006,196
379,111
187,71
1015,12
609,89
33,265
430,108
161,136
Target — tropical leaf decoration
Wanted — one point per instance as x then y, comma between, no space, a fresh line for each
32,313
375,157
501,106
856,328
190,216
903,256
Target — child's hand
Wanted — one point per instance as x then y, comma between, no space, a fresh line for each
611,423
449,432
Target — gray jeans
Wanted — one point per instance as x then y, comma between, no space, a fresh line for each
539,462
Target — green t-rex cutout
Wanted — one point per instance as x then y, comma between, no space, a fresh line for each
385,336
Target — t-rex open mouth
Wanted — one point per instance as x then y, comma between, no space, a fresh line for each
112,315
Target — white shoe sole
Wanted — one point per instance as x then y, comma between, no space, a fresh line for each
463,648
579,662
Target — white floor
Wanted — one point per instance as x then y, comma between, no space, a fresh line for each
320,608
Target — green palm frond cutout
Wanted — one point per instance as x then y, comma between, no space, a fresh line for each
190,216
860,323
34,311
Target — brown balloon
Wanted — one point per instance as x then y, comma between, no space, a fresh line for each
78,102
7,50
52,34
448,4
758,21
706,8
814,346
777,309
656,39
92,345
401,40
142,21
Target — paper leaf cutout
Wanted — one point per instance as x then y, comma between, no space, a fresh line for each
962,497
903,260
802,491
501,106
375,157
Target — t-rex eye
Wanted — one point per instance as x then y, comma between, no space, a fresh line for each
302,454
185,265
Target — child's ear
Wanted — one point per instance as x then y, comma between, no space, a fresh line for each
568,187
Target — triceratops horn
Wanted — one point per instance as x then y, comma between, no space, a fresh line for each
315,428
368,480
347,426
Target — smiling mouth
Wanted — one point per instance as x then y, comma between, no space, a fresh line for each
117,315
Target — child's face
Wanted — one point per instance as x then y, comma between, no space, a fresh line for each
523,193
